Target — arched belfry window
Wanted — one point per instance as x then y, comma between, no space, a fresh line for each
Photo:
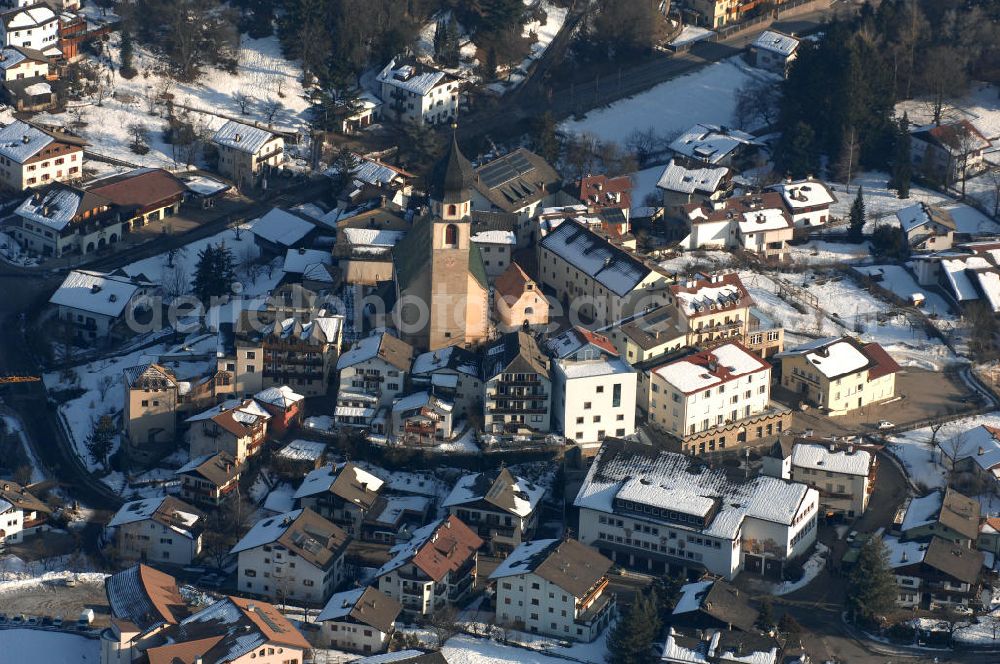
451,235
452,210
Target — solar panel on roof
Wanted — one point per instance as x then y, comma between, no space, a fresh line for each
504,170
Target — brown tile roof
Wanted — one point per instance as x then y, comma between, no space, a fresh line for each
724,603
960,513
450,547
143,596
271,622
396,352
316,540
372,608
512,283
882,363
186,652
954,560
735,207
572,566
600,191
21,498
348,486
144,188
515,180
219,469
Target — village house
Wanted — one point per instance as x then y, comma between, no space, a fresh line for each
299,458
713,145
61,220
209,479
927,227
31,156
285,406
279,230
946,514
648,336
774,51
364,255
715,13
93,305
758,223
31,26
376,365
493,233
21,513
239,371
517,386
989,537
292,557
839,374
601,192
19,63
712,309
948,153
555,587
237,427
684,182
808,201
359,620
143,602
723,647
843,475
452,373
152,394
165,530
593,389
342,493
935,574
357,114
412,91
518,300
967,274
596,277
663,512
246,153
715,400
519,183
143,196
422,419
711,605
30,95
502,508
974,454
436,568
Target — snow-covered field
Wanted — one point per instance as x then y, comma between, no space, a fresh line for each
881,203
644,184
262,73
691,34
981,107
708,96
823,252
901,283
28,645
466,649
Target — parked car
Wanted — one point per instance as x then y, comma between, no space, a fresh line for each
885,424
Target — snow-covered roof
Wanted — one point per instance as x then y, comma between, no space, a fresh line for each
266,531
667,483
959,279
40,88
591,368
676,177
495,237
244,138
167,511
902,553
372,237
325,479
54,208
840,356
922,511
341,604
505,491
95,292
690,596
302,450
281,227
807,193
776,42
282,396
820,457
379,345
297,261
412,76
715,293
765,219
28,17
710,367
449,357
921,214
419,400
981,438
711,143
614,268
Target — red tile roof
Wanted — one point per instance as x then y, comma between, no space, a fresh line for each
451,545
882,364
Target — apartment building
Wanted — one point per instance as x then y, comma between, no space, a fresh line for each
434,569
593,389
209,479
239,365
246,152
376,365
757,223
839,374
342,493
712,309
663,512
21,513
293,557
422,419
31,156
500,507
517,386
412,91
452,373
555,587
597,278
144,602
935,574
61,220
715,399
844,475
301,355
360,620
946,514
237,427
165,530
151,397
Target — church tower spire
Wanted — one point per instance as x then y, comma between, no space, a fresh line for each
451,184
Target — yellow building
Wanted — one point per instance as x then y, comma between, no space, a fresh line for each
839,374
150,414
442,291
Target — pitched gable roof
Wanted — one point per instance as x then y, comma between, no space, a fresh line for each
436,549
366,606
568,564
144,597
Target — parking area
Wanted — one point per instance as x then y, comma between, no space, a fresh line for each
56,599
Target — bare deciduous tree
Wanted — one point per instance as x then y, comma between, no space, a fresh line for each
243,100
271,108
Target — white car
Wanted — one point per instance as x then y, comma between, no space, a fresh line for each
886,424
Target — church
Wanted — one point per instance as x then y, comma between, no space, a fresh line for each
442,292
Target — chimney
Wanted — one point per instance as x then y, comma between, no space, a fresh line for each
236,139
25,139
981,451
251,608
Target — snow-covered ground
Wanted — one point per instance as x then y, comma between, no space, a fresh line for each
545,32
14,424
827,253
644,184
683,262
707,96
981,107
881,203
913,448
27,645
811,569
901,283
262,73
10,251
20,577
691,34
467,649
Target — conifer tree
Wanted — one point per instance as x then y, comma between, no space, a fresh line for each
902,167
634,633
872,587
101,440
855,230
214,274
127,51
